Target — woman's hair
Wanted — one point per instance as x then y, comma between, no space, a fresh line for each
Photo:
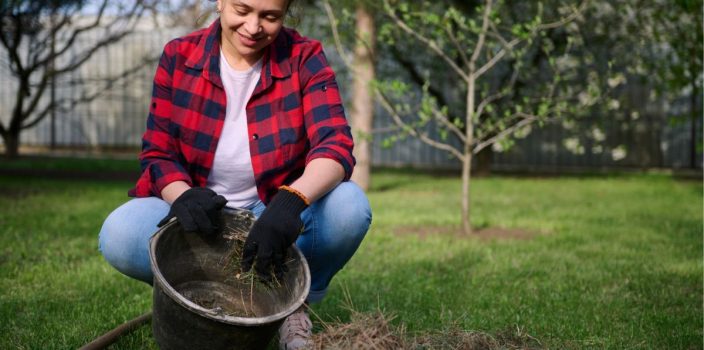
291,14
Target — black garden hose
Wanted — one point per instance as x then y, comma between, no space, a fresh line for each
108,338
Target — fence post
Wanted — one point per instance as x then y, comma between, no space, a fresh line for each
52,102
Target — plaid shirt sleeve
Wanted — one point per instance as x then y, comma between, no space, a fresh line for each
326,126
159,158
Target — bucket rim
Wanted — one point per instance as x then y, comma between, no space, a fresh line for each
210,314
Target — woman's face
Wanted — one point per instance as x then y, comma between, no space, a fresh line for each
248,26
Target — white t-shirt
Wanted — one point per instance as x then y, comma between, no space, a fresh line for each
232,175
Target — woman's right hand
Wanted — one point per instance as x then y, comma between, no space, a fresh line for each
197,210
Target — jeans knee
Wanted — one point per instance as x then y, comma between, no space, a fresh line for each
124,237
111,242
353,214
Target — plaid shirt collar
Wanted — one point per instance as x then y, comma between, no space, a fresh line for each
206,57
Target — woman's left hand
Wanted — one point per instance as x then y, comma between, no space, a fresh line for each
272,234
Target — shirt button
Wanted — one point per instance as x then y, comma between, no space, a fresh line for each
255,136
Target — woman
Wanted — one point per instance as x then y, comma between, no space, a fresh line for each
247,114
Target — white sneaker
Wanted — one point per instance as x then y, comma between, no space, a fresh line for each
296,331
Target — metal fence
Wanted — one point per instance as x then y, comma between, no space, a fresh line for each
649,142
117,119
116,116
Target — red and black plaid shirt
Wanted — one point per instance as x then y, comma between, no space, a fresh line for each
295,114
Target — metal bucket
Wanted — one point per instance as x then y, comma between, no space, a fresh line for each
199,305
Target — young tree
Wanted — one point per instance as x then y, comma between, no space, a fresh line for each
471,46
38,38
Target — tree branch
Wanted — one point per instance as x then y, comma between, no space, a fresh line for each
39,44
561,22
407,128
434,92
416,76
482,35
87,98
56,28
346,59
452,127
89,53
72,38
496,58
527,119
458,46
112,81
429,43
12,48
132,15
497,34
508,46
489,99
37,96
39,117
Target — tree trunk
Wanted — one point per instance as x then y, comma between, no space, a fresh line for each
466,186
694,114
12,144
467,161
484,160
11,135
362,114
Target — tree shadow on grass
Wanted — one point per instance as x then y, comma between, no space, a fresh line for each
17,192
73,175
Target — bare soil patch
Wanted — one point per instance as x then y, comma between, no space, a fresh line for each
487,233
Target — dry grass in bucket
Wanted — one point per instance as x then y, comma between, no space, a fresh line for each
239,293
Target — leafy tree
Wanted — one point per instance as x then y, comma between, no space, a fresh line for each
39,39
475,48
556,72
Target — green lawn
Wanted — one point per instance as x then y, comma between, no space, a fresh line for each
87,164
615,261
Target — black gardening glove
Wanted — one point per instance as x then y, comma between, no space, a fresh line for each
197,210
273,233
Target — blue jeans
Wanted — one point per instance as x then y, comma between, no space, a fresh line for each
334,227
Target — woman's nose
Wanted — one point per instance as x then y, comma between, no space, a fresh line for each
252,25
